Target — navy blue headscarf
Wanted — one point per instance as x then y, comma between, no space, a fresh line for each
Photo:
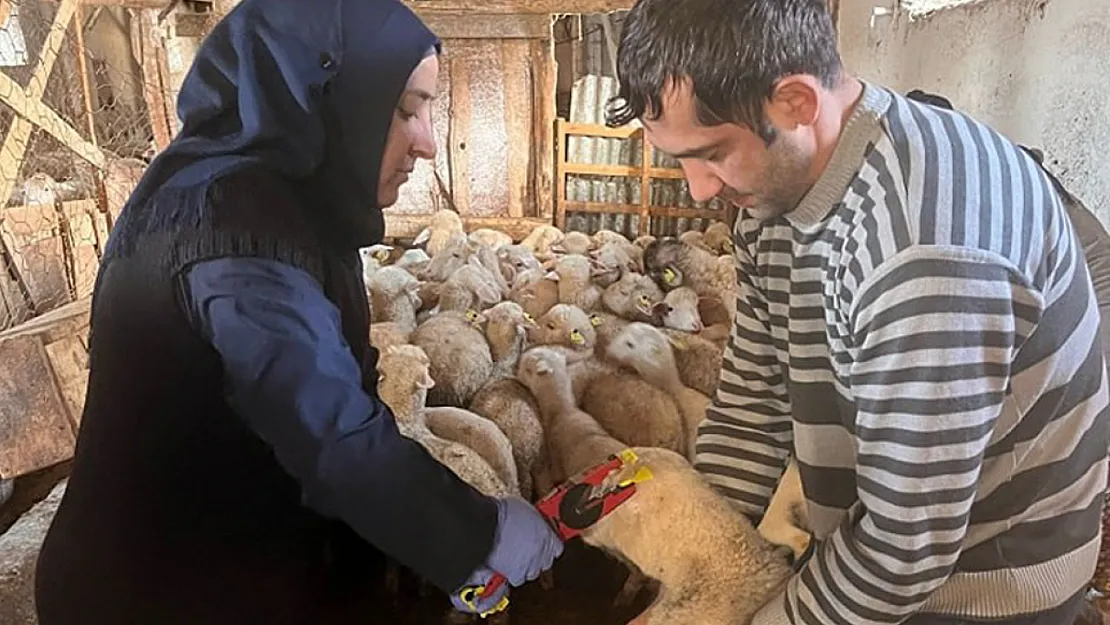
303,88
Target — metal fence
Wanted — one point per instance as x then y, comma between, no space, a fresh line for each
76,133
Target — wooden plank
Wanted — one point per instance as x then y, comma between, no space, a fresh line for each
544,79
521,6
597,130
69,359
131,4
146,42
459,133
35,429
403,226
645,187
33,238
458,25
518,103
31,111
84,253
654,211
5,10
83,71
604,169
560,174
71,319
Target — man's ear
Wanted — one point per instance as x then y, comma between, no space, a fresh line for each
795,101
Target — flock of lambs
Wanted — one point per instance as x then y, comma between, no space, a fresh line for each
519,365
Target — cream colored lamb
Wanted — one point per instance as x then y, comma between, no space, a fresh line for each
536,291
567,325
574,243
603,237
454,254
461,362
672,264
404,380
542,239
394,300
493,239
647,350
470,287
503,400
573,273
515,260
445,225
679,310
712,565
699,360
718,238
611,261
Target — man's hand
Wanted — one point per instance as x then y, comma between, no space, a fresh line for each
524,545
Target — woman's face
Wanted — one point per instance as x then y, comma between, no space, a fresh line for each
410,134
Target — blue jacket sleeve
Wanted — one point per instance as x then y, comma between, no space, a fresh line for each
292,377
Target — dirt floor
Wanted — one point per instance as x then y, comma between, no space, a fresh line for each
586,581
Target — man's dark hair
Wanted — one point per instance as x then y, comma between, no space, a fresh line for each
733,51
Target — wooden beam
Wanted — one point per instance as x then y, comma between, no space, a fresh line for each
522,6
130,4
402,226
31,111
456,25
5,10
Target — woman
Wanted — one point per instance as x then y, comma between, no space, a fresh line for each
234,461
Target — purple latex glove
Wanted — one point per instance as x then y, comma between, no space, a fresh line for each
481,577
524,545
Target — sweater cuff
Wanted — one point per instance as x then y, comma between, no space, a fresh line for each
774,613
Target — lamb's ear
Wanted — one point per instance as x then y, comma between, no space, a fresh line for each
423,237
551,275
543,367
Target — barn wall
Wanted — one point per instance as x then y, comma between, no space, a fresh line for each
1035,70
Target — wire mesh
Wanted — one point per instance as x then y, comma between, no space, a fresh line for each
76,134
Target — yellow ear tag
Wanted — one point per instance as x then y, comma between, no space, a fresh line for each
642,474
472,315
595,320
645,301
576,337
529,318
669,276
381,255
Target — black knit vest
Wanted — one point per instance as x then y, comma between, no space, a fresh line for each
227,524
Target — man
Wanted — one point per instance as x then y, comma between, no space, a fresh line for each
915,323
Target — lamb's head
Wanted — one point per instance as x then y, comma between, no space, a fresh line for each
602,238
572,272
574,243
394,294
642,347
693,237
610,262
718,238
454,255
632,297
404,378
539,367
515,260
442,222
643,241
542,238
679,310
663,259
507,326
536,291
565,324
470,286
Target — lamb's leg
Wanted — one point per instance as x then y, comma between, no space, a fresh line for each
779,525
632,585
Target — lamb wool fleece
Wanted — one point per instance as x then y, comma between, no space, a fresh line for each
922,332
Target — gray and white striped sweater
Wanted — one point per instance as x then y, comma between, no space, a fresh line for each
922,332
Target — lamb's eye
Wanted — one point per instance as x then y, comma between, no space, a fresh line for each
629,344
551,326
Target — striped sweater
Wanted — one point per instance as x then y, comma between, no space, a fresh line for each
921,332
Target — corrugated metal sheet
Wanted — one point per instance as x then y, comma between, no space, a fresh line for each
588,97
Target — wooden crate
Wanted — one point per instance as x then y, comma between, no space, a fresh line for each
644,171
42,389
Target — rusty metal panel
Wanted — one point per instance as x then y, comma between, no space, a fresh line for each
35,431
